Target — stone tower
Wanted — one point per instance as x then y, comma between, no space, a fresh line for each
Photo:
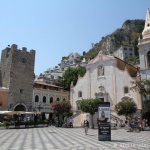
17,74
144,49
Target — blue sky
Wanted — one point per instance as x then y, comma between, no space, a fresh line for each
56,28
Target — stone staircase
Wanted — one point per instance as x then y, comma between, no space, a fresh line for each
79,117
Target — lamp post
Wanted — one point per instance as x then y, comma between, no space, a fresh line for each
39,106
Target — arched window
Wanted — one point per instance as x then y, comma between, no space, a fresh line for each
148,59
57,98
64,99
36,98
44,99
79,94
51,100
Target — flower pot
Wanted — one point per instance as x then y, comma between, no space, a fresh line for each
7,127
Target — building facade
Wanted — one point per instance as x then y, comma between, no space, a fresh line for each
3,98
17,75
144,49
44,94
124,52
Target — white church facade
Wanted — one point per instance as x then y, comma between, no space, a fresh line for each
109,79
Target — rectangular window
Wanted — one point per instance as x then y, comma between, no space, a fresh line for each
130,49
102,99
125,48
21,90
126,90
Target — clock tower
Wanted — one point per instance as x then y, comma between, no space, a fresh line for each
17,74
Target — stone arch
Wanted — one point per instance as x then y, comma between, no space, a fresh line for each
127,98
20,107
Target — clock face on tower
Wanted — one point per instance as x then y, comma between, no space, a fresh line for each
23,60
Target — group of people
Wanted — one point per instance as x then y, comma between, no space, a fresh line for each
137,123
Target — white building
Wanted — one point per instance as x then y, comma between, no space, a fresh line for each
144,49
124,52
107,78
44,94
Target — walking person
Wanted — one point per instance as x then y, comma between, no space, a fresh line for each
116,122
71,122
86,126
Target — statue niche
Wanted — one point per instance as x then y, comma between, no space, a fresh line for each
100,71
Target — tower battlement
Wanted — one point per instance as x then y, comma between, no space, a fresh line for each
24,49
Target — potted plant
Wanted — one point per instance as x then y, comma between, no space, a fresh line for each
11,125
17,125
7,125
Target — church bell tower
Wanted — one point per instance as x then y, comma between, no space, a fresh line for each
144,49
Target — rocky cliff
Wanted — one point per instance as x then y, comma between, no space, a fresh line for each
127,35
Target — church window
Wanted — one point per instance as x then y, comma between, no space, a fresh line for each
21,91
79,94
36,98
58,99
51,100
0,103
100,71
148,59
44,99
126,90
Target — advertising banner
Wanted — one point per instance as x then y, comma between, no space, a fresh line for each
104,122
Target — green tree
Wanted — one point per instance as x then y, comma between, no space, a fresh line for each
143,87
89,106
133,60
126,108
71,75
84,52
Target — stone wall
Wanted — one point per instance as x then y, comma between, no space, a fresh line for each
17,68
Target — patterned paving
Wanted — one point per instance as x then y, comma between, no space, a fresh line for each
51,138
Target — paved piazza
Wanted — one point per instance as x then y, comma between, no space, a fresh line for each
52,138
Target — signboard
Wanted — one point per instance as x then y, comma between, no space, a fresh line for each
104,123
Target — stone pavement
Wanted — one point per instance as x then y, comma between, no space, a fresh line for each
52,138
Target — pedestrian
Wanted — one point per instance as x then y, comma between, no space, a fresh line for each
86,126
116,122
71,122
